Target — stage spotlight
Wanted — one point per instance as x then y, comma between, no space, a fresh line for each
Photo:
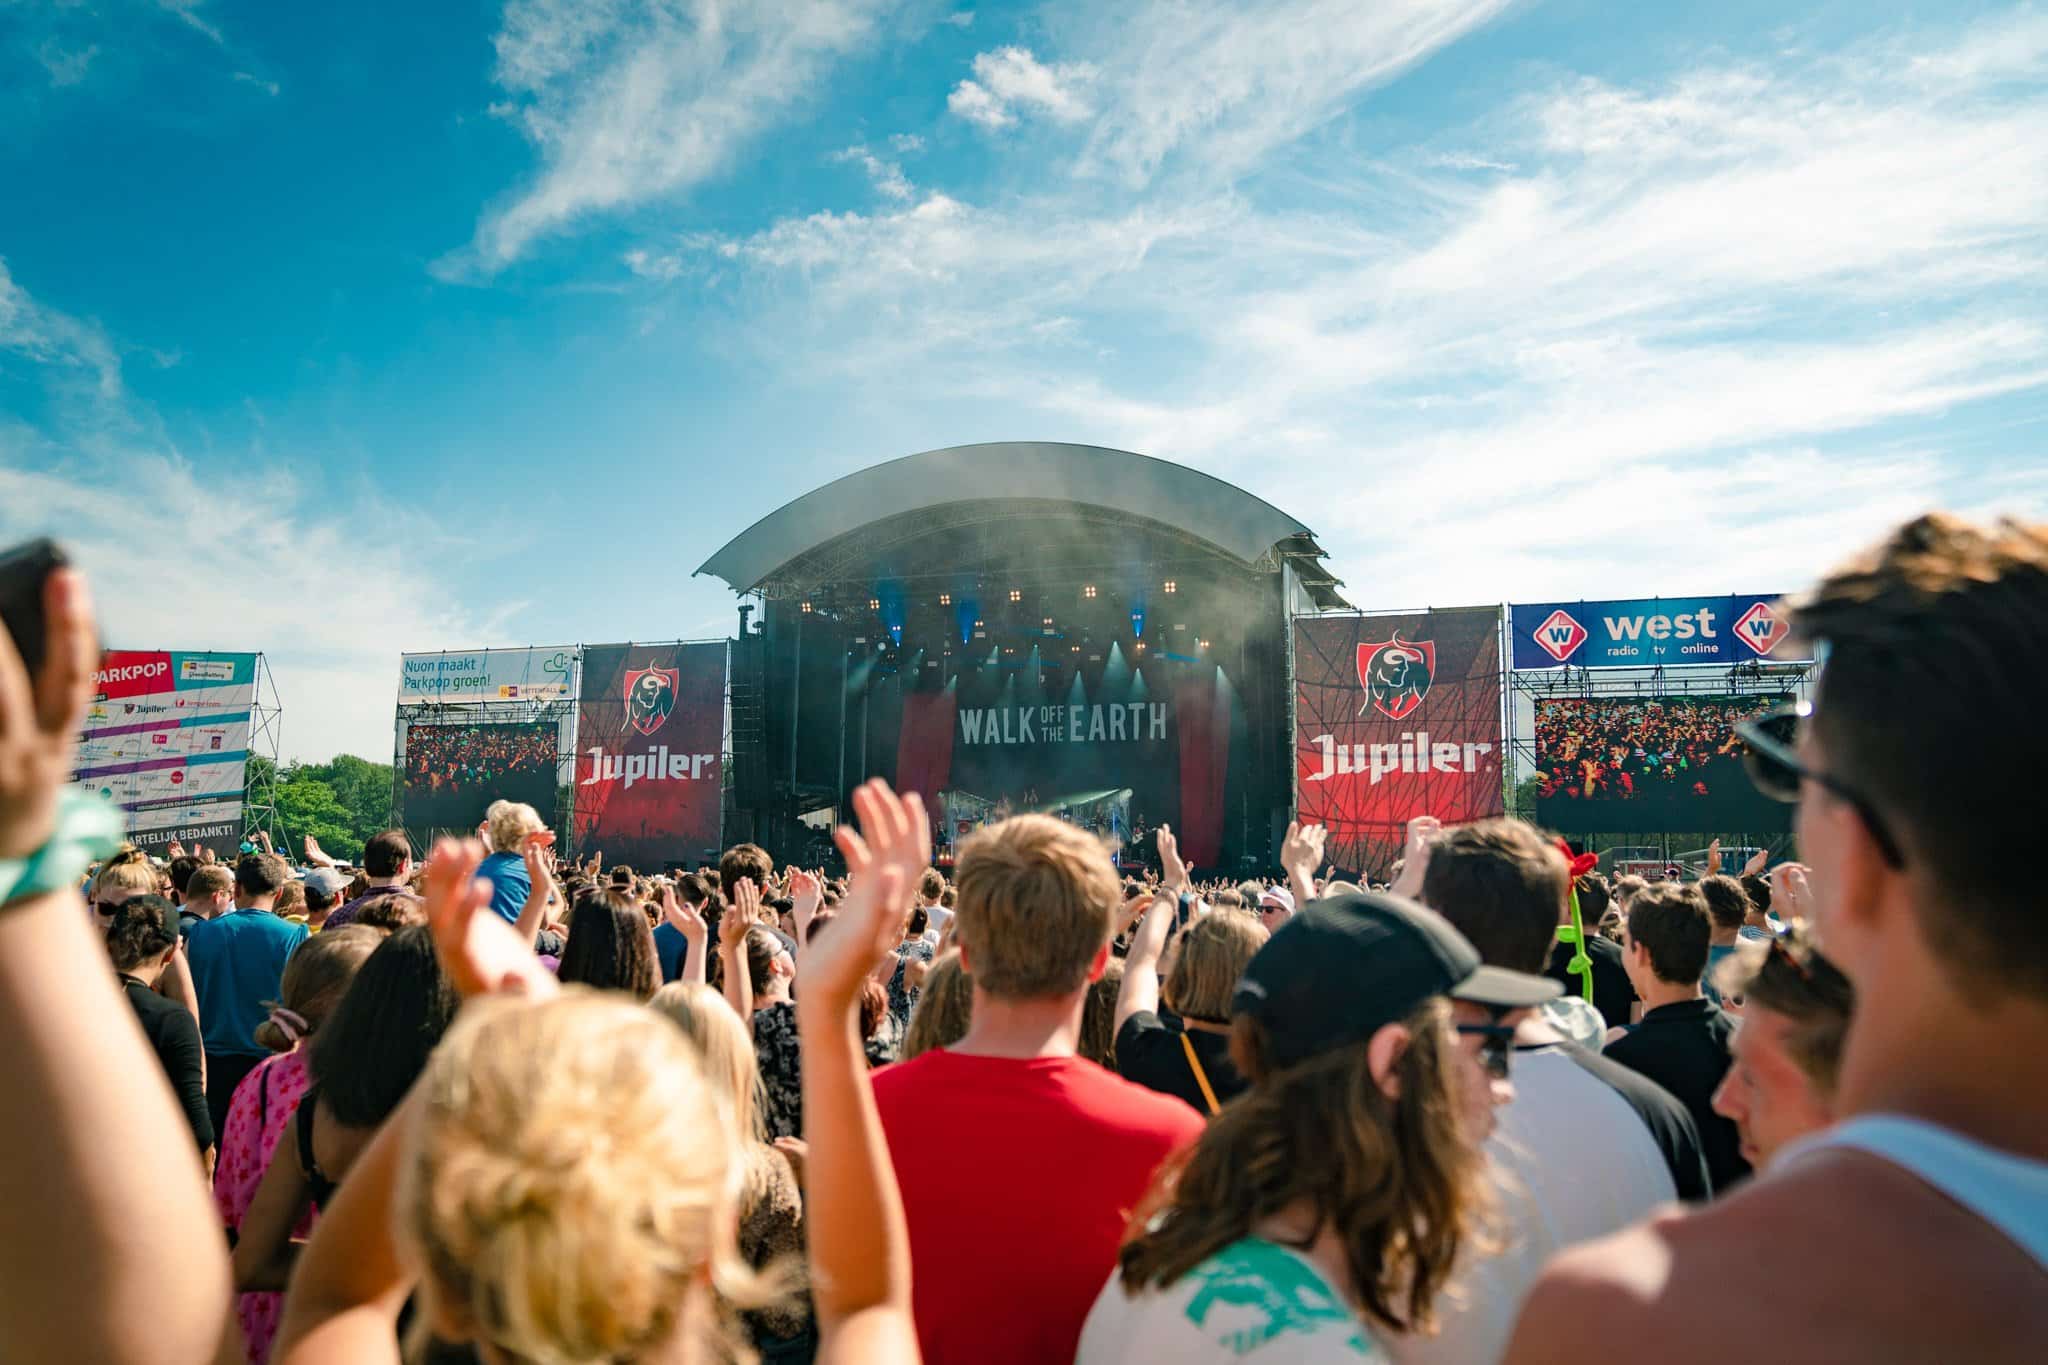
806,606
1088,591
1016,596
945,599
874,604
1172,586
1201,644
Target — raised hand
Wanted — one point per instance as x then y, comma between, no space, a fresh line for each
1423,832
891,849
1301,853
1791,893
177,849
40,719
805,893
686,918
1758,861
480,952
205,853
1176,871
1713,857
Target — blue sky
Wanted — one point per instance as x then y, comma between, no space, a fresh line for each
339,330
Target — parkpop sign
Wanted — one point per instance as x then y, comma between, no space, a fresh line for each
1646,632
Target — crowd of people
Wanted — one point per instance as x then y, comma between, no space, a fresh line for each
468,758
485,1104
1607,750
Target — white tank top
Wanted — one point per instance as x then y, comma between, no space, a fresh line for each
2009,1192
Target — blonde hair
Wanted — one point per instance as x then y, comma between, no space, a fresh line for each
316,976
134,875
1038,899
943,1011
509,822
1214,951
725,1047
571,1182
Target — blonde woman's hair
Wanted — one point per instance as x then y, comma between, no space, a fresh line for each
572,1183
1038,899
725,1047
1400,1182
943,1010
509,822
1214,951
134,875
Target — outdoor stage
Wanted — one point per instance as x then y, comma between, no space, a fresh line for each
1022,626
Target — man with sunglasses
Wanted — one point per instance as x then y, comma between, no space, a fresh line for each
1586,1146
1916,1228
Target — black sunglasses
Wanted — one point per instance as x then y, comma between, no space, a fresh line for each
1497,1045
1771,758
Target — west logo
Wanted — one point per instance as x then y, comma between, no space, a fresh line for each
1760,628
1560,635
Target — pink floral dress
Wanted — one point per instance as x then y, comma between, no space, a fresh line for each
262,1105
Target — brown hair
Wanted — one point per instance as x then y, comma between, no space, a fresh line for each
943,1011
1937,639
931,885
393,911
261,874
316,976
1504,887
1727,902
291,898
1670,920
1214,950
209,879
1594,897
1788,976
143,928
1400,1182
611,946
744,862
1098,1016
1038,899
1626,888
386,853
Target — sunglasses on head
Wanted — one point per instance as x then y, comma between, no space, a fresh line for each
1770,755
1496,1046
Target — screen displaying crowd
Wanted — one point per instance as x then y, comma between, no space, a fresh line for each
452,772
1644,765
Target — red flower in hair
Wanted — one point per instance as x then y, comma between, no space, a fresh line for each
1581,863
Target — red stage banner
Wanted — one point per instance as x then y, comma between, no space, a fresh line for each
649,776
1395,716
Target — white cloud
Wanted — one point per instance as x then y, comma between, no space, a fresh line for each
963,18
1802,265
1010,79
66,67
51,338
1228,83
887,176
633,100
906,143
187,12
266,86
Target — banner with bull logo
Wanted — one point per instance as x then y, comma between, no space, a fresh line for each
650,729
167,739
1395,716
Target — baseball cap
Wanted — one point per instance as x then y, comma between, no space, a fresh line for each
326,881
1277,896
1350,964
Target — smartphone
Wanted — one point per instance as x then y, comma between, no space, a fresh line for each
23,571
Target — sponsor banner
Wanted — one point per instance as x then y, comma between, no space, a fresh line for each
650,781
1395,716
452,772
1646,632
166,738
545,673
1647,765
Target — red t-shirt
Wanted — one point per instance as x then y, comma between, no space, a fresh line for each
1017,1177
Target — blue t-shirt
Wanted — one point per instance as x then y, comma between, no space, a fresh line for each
671,948
237,964
510,885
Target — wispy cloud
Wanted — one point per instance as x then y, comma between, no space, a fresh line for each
1793,264
887,176
631,100
67,66
187,13
275,569
1231,82
1010,81
268,87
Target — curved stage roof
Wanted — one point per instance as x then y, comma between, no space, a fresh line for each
801,535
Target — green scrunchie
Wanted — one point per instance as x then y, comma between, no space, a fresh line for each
88,828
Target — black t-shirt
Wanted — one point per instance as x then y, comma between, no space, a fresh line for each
1612,993
174,1036
1149,1053
1684,1048
1669,1122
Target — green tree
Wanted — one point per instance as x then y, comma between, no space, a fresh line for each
306,805
341,803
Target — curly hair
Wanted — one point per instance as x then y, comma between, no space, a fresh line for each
1399,1181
